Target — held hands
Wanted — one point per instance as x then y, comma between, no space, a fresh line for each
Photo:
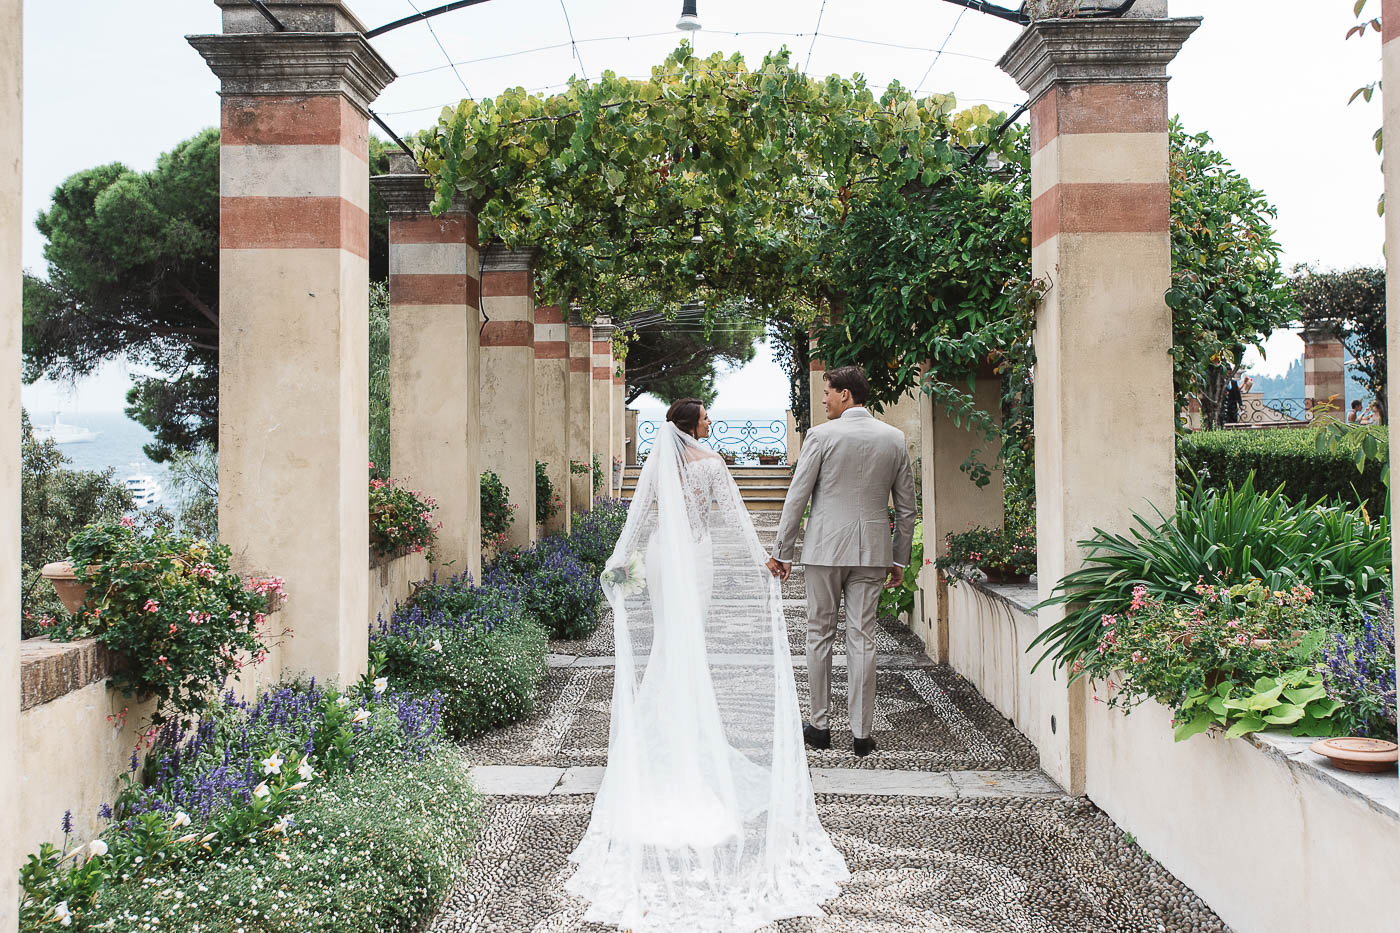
779,569
894,577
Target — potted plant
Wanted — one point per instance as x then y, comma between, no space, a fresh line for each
770,457
729,457
1001,555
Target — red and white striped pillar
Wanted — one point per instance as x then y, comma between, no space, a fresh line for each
580,415
508,380
1390,72
603,399
1324,372
1100,237
434,363
552,409
294,317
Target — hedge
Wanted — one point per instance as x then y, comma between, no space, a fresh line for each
1285,457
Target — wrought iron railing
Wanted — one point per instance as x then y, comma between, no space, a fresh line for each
1273,410
746,439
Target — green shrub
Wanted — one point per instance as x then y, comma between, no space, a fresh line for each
497,511
375,851
1284,457
1230,537
485,657
547,502
595,532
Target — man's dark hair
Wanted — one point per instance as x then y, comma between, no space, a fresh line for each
684,413
849,378
1356,403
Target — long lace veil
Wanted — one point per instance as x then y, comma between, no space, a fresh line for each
705,819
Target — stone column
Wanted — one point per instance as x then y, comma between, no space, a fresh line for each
12,848
294,316
552,409
816,411
1324,371
619,426
952,502
1100,236
434,365
580,414
603,399
508,380
631,437
1390,70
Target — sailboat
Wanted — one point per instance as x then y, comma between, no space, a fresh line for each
61,433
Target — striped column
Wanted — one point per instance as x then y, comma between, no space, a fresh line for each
580,415
619,425
293,318
817,387
603,400
434,361
12,847
1324,371
1099,221
508,380
1390,71
552,409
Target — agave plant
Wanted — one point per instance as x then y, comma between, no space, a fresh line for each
1228,537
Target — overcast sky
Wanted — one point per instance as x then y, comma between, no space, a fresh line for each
1269,79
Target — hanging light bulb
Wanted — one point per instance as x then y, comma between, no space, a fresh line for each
688,22
695,236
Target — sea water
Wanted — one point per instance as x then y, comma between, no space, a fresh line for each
117,444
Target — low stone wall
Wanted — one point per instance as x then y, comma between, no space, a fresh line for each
1270,836
71,736
391,580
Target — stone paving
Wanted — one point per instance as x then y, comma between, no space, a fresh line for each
949,826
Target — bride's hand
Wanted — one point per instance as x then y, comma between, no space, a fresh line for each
779,569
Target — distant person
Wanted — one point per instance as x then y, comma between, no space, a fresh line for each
1354,417
1234,397
1373,414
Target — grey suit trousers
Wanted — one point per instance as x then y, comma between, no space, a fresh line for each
861,587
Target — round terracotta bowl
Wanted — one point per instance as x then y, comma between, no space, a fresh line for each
1355,753
65,583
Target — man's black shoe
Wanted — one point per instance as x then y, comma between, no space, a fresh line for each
820,739
864,747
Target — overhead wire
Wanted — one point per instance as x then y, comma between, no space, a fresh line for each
939,54
815,32
574,44
433,33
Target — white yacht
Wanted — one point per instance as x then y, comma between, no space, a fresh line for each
61,433
144,489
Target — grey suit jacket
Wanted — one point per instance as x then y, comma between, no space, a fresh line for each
849,468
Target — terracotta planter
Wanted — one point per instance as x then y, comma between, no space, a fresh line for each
71,592
1357,753
768,461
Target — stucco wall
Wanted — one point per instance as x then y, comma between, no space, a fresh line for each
390,583
1271,839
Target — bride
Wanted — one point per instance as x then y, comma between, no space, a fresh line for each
705,821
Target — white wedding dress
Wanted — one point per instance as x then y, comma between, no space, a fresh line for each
705,820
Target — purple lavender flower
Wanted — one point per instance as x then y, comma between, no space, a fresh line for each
67,822
1359,671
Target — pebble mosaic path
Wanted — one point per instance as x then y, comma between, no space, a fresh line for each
949,827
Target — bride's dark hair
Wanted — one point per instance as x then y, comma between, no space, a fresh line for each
684,413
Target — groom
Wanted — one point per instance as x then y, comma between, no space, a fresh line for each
849,468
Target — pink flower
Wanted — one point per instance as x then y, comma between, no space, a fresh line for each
1138,657
152,605
174,628
371,464
1139,596
128,522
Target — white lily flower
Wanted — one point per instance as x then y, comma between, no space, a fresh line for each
297,786
273,765
342,701
188,837
261,791
361,715
181,819
62,914
380,685
437,645
96,848
305,771
281,825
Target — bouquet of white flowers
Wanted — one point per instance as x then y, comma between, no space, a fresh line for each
631,577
